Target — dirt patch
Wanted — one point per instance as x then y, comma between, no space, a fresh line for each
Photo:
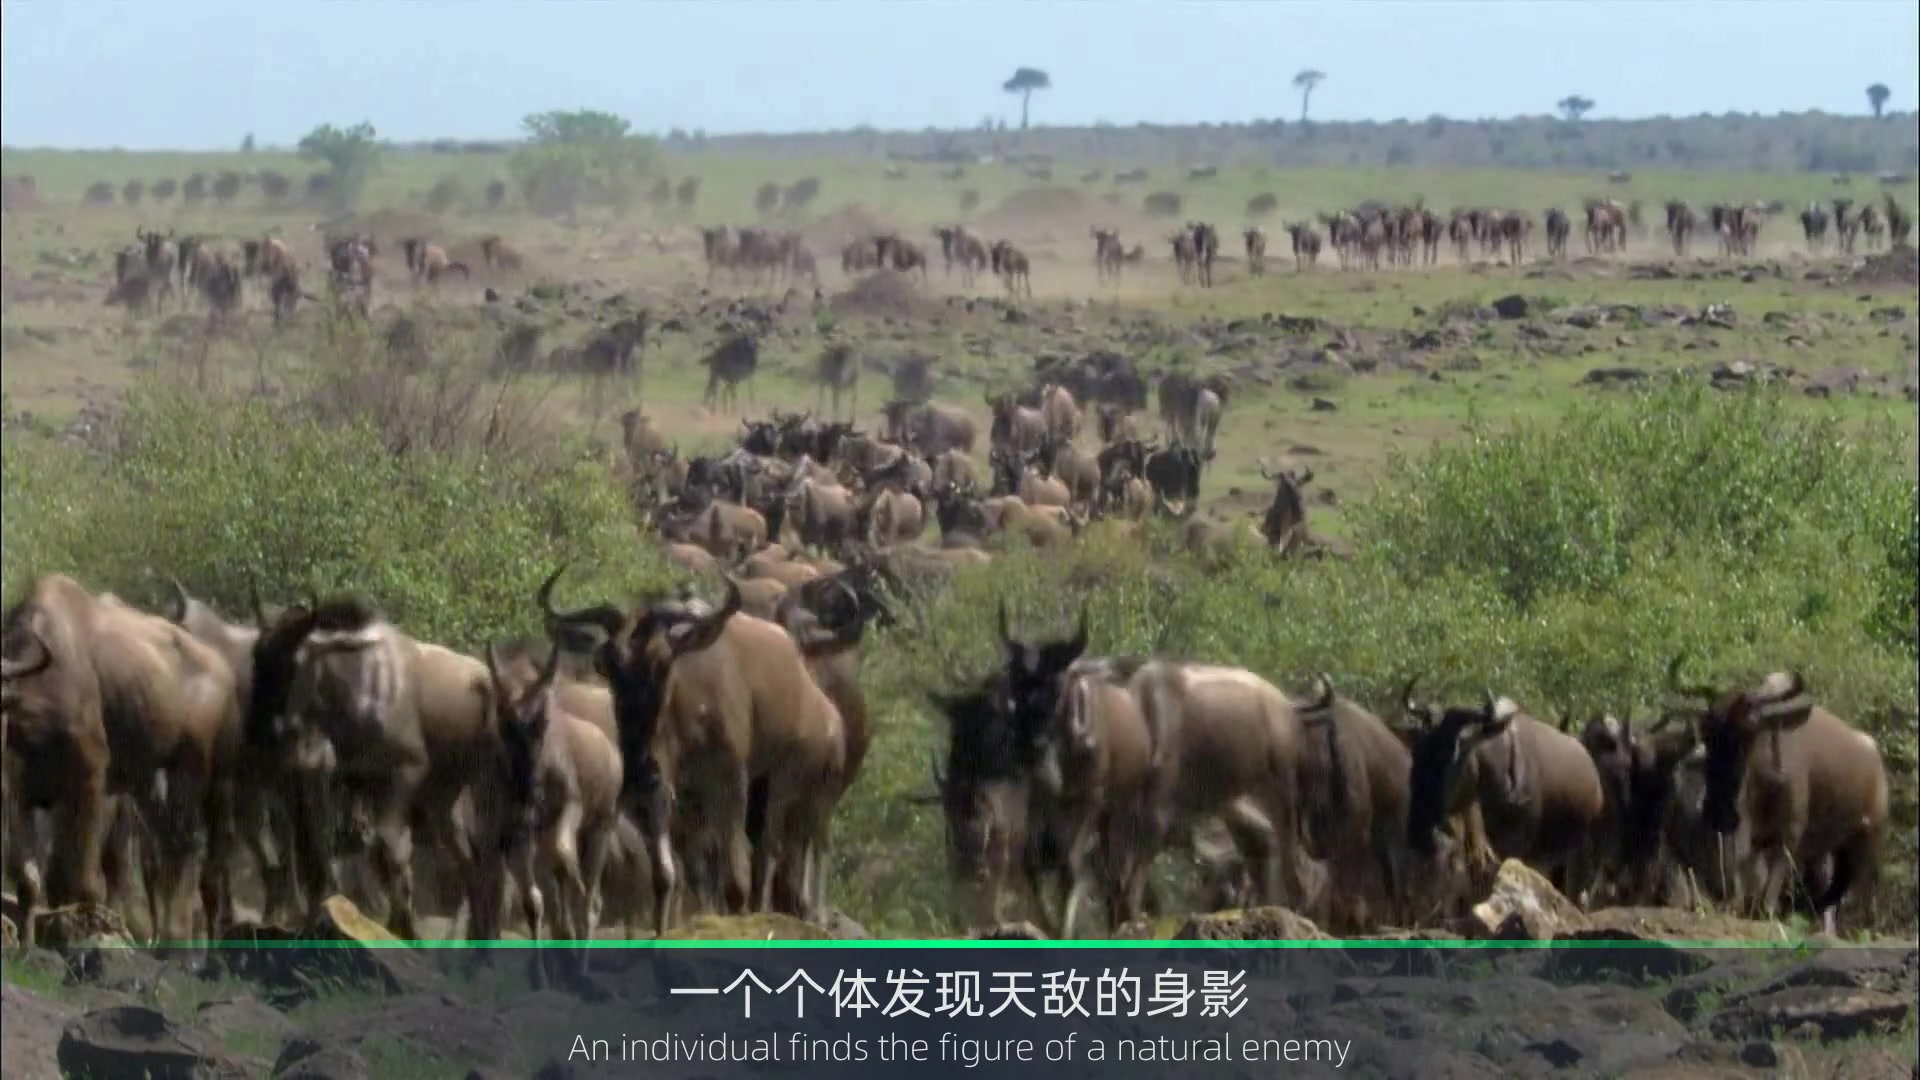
1053,214
842,227
886,294
1900,266
389,227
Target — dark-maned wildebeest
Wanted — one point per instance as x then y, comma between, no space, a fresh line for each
359,710
1173,473
1653,811
1109,257
1356,816
1799,783
258,813
1206,247
1813,223
1558,229
1899,222
554,806
1680,220
101,699
731,363
1285,523
720,705
1535,788
1225,744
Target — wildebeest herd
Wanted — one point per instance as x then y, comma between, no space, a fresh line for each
651,759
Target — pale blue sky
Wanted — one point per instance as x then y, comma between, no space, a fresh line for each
160,74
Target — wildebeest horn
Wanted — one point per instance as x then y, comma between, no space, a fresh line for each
36,661
1420,712
1492,707
1266,473
1323,690
605,616
1674,685
493,671
179,598
253,597
1787,701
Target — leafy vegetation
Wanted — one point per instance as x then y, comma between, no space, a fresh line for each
351,155
583,156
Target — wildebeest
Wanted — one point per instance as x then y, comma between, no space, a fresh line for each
1285,523
1799,783
1011,264
720,705
1535,788
1356,815
101,699
929,427
1813,223
1256,240
1206,246
357,709
1558,229
554,805
1306,245
729,364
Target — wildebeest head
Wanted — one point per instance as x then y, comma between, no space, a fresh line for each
1034,671
26,655
636,657
1637,772
521,711
1445,770
980,788
1730,723
761,437
276,657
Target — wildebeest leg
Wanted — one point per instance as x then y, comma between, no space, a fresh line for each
216,892
520,862
80,830
393,850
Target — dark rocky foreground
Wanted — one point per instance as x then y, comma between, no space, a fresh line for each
85,1005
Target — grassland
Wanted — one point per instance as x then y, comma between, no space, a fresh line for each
1512,524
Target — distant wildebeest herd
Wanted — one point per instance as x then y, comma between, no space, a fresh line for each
649,760
162,268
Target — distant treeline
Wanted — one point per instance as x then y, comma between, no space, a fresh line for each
1803,142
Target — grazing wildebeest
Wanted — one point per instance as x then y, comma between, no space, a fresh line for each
1256,240
731,363
1536,788
1799,783
1011,264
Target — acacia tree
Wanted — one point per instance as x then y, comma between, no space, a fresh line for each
1024,82
1305,82
580,155
1573,107
351,155
1877,96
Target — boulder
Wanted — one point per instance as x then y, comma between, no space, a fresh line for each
133,1040
1524,906
312,1059
33,1026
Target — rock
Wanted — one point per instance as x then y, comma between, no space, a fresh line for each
842,927
78,926
243,1016
1609,376
1624,341
1020,931
33,1026
1829,1013
1524,905
762,926
133,1040
310,1059
1512,307
1888,314
1250,924
1321,404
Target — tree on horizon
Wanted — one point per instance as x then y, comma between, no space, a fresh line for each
1306,81
1024,82
1877,96
1573,107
